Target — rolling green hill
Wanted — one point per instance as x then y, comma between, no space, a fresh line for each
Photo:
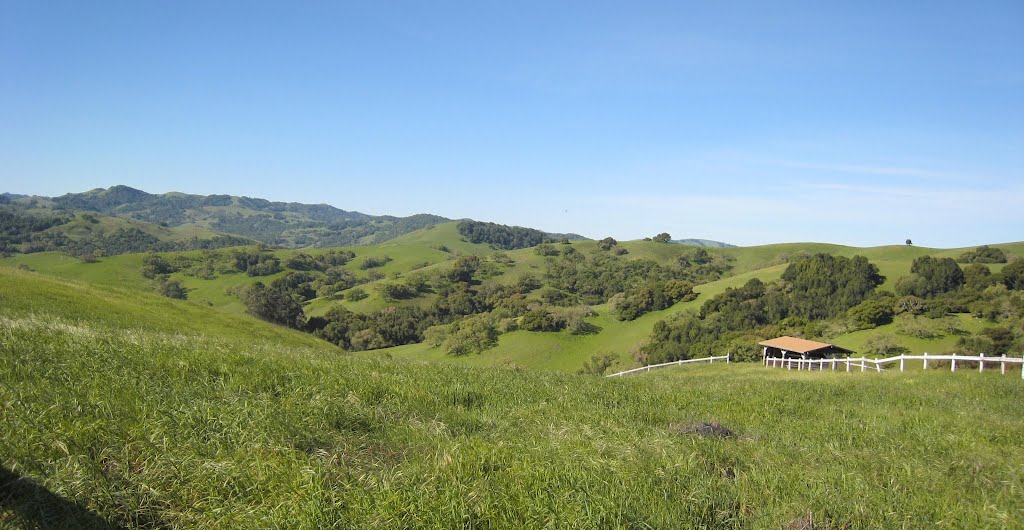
124,409
432,251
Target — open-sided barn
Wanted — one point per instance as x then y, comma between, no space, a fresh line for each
794,348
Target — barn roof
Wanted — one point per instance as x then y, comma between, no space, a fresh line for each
796,345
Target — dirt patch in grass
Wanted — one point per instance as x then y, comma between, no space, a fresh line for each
706,429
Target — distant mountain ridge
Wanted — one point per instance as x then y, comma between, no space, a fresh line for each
282,224
703,243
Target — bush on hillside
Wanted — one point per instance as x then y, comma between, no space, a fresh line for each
983,254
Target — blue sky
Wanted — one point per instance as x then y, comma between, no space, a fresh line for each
864,124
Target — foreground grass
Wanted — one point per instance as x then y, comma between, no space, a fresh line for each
151,427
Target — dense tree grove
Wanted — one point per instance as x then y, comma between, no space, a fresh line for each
983,254
594,279
256,263
825,286
813,288
652,296
276,303
320,262
607,243
18,227
372,262
931,276
1013,275
502,237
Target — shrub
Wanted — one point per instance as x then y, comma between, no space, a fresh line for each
598,364
372,262
872,313
884,344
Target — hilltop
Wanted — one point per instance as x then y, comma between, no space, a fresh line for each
124,219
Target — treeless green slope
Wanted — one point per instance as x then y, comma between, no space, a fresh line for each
31,293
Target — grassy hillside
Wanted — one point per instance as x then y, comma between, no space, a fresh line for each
76,302
114,417
432,249
564,352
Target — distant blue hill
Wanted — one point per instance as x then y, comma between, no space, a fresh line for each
703,243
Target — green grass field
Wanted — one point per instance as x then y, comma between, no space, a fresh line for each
125,409
419,251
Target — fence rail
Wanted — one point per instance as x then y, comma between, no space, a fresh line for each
726,358
862,362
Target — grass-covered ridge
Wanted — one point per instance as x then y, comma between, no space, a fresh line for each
161,425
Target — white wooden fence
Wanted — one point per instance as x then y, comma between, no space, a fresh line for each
863,363
726,358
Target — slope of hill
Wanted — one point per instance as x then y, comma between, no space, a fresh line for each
433,251
113,416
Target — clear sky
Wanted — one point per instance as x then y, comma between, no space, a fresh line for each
864,123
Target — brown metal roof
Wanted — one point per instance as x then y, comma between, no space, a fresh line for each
794,344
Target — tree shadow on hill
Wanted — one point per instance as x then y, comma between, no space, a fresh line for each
37,507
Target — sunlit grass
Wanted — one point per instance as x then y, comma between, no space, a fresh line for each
161,424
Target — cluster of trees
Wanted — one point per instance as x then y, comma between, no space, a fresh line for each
256,262
931,276
811,289
17,227
122,241
983,254
502,237
651,296
159,269
576,278
372,262
278,303
321,262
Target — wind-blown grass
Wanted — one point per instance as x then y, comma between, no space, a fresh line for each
156,426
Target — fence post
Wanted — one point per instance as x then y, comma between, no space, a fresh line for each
1002,366
901,363
847,363
789,365
981,362
863,364
952,365
925,360
728,356
878,367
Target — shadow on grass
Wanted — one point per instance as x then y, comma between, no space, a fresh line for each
37,507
